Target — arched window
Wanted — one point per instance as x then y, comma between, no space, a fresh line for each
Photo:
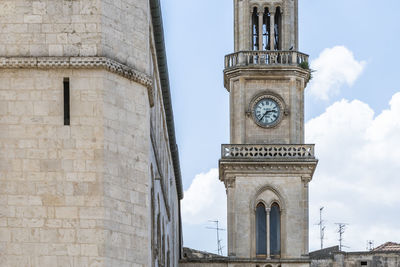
261,231
255,29
275,230
266,29
278,29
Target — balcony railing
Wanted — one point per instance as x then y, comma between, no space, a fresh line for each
267,152
248,58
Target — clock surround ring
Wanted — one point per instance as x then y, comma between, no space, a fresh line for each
267,95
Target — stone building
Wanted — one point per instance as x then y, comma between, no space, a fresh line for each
89,167
266,168
386,255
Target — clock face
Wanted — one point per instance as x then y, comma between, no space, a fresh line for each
266,112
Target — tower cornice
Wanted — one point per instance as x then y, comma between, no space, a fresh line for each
229,169
80,63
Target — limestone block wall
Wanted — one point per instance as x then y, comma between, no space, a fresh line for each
85,194
242,126
51,175
125,32
73,195
116,29
164,198
126,172
292,198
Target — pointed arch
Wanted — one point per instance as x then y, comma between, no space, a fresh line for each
278,198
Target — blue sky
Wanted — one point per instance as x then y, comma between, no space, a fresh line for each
362,37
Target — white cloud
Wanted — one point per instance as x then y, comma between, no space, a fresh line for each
357,179
334,68
205,199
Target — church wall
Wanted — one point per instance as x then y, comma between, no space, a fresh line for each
293,217
51,175
126,172
86,194
50,28
81,193
116,29
243,127
165,201
125,26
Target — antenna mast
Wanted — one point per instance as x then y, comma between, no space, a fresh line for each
370,245
219,246
341,230
321,228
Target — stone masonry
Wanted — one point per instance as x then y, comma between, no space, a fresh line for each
101,191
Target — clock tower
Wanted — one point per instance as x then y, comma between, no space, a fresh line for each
267,167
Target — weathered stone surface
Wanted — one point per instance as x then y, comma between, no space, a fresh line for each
102,190
276,176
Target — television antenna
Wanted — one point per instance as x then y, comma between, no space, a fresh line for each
341,230
219,241
321,227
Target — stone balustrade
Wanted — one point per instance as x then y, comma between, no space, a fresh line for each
291,152
262,58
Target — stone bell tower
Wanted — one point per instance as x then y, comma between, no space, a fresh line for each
267,167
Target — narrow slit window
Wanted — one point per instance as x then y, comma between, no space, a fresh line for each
261,230
67,117
275,231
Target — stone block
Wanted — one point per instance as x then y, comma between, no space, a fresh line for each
74,250
5,235
66,212
52,165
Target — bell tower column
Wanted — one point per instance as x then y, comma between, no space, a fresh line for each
267,167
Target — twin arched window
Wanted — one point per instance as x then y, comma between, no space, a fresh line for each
268,231
266,29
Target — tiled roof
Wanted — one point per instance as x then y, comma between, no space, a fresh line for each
190,253
388,246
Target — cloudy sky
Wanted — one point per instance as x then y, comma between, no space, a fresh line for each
352,114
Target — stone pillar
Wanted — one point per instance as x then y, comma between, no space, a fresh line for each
231,222
260,29
272,30
268,210
306,180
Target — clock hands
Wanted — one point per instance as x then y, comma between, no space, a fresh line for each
266,112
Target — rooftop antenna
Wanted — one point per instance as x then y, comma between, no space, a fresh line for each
370,245
217,228
341,230
321,227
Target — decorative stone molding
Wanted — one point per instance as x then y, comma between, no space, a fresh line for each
300,168
273,152
80,63
230,182
264,58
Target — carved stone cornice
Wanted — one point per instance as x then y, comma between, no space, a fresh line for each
80,63
230,168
